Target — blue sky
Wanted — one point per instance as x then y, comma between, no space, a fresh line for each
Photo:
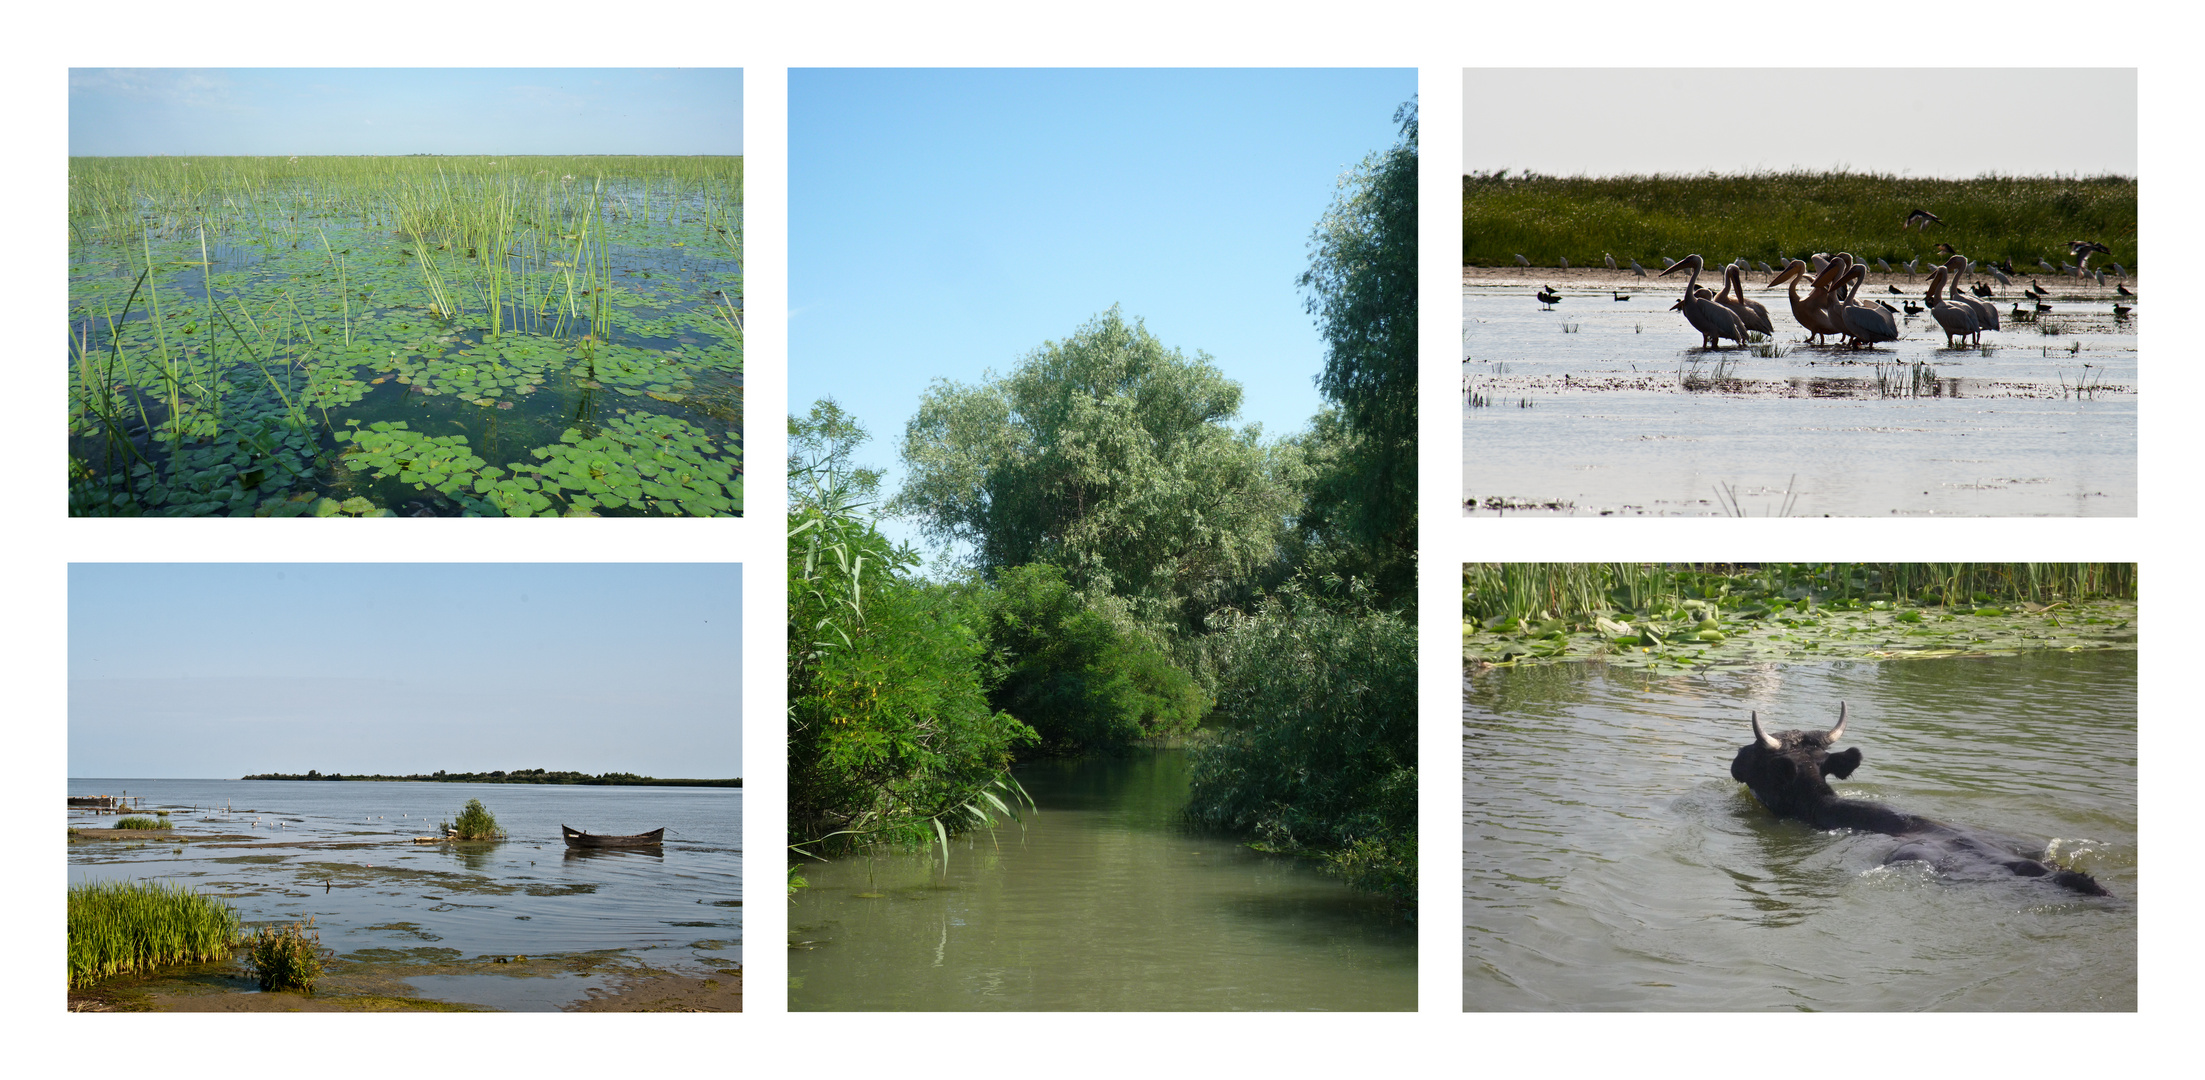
944,223
256,111
216,670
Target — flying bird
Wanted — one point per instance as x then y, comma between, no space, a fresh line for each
1922,218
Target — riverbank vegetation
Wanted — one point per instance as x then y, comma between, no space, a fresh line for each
1134,567
414,336
285,958
1764,217
141,823
1696,614
517,776
125,926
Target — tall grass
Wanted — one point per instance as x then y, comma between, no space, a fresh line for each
1493,593
120,926
1761,215
141,823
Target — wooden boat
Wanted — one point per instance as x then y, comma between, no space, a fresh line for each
577,838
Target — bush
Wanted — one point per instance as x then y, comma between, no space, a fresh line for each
1080,679
286,959
141,823
474,823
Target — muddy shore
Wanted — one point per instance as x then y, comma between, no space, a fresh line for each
638,991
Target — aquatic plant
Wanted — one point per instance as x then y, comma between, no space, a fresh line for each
475,822
141,823
119,926
285,959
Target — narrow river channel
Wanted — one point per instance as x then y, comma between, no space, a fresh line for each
1101,900
1611,863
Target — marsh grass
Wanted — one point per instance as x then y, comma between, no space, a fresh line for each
117,927
285,959
1538,594
141,823
1763,215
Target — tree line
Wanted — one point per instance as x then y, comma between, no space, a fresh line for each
517,776
1134,567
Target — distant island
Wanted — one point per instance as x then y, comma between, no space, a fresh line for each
517,776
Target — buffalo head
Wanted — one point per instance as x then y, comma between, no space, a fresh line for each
1785,769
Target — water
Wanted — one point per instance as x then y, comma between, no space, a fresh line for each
1102,902
1628,416
341,853
1610,862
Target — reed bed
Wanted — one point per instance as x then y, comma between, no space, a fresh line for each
1761,216
1496,593
124,926
142,823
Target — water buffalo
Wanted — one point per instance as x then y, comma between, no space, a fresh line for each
1785,770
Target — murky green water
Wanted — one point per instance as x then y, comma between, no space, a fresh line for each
1102,902
1610,862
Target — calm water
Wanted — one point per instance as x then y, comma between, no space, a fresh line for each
1102,902
1627,415
1610,862
339,852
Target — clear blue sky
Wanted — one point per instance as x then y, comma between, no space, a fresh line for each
257,111
944,223
216,670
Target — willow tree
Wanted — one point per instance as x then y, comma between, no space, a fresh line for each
1362,289
1111,457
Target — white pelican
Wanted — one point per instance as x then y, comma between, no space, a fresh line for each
1957,321
1750,313
1712,320
1986,316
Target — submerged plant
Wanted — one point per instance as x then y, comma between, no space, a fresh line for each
287,958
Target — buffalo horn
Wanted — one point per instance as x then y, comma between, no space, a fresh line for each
1767,739
1840,729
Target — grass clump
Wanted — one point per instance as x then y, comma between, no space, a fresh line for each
120,926
142,823
475,822
287,958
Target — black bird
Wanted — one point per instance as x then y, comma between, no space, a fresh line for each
1894,290
1549,297
2123,290
2042,306
2120,312
1946,249
2006,265
1913,308
1981,290
1921,217
1619,296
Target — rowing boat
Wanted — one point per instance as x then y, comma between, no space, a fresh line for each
577,838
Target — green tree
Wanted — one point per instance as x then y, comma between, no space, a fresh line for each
890,735
1081,679
1110,456
1362,282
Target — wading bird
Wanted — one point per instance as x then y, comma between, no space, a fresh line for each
1986,316
2123,290
1549,297
1921,217
1956,320
1712,320
1609,259
1750,312
1521,261
1565,262
1814,310
1637,269
2047,265
1618,296
1866,324
2082,250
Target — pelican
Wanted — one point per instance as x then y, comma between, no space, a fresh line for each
1986,316
1521,261
1609,259
1811,309
1637,269
1866,324
1549,297
1750,313
1919,216
1712,320
1819,262
1957,321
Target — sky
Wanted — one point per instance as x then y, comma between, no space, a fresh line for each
217,670
263,111
1941,123
943,224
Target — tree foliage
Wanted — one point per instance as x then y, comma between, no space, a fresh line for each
890,735
1362,281
1081,679
1109,456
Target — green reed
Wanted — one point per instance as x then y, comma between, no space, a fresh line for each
122,926
141,823
285,959
1759,216
1576,591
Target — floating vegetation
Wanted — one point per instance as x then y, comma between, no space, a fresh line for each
120,926
237,325
1671,616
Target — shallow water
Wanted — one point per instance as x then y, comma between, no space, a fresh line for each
340,853
1610,862
1102,901
1626,415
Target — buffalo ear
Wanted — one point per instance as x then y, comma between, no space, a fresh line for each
1841,765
